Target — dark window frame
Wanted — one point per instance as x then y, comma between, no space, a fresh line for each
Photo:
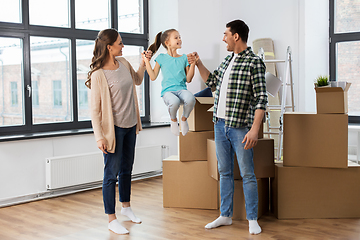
24,30
338,38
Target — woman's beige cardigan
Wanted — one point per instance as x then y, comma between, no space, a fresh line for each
102,119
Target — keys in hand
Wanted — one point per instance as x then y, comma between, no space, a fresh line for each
146,55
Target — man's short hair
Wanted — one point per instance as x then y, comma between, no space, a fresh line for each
239,27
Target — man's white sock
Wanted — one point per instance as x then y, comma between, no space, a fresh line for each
184,127
116,227
129,213
174,128
254,227
220,221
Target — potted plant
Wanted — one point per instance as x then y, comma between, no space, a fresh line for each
322,81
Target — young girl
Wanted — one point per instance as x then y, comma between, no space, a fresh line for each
176,72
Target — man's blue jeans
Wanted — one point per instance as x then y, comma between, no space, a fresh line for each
229,140
119,164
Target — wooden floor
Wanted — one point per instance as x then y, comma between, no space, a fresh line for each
81,216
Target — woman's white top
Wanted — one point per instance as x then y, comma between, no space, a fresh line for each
122,97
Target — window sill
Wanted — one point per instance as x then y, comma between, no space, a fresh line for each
354,127
66,133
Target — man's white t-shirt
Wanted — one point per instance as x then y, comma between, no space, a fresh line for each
220,113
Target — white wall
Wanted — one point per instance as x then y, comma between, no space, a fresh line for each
315,47
300,24
201,31
22,165
162,16
288,23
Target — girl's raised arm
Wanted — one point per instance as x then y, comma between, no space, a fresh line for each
190,71
153,73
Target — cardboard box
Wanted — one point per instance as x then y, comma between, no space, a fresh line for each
239,212
315,140
188,185
332,99
200,119
302,192
264,166
192,146
264,161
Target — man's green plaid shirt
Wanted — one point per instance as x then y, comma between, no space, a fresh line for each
246,88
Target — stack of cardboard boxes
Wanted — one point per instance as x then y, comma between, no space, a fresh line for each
186,182
191,180
315,179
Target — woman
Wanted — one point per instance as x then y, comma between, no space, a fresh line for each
115,119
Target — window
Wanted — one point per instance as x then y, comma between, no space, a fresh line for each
12,11
51,13
11,76
50,59
130,18
345,50
133,55
99,13
45,52
84,50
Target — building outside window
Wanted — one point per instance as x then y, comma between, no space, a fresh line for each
14,94
35,93
83,94
57,93
11,62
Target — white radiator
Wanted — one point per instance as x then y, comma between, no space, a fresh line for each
148,159
74,170
68,171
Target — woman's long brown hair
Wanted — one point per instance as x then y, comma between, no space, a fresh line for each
105,37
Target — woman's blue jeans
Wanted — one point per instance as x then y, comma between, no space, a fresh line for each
119,165
227,141
173,100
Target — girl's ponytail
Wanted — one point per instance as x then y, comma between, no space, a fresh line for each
155,46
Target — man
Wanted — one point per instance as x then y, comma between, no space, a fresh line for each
240,101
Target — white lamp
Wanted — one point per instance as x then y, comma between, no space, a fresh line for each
273,84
